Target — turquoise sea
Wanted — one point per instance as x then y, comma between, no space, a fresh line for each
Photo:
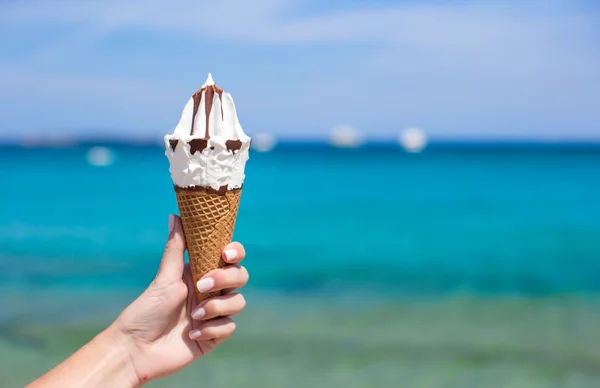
465,265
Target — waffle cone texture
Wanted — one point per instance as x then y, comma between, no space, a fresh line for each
208,220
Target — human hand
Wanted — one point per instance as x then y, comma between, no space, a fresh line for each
163,330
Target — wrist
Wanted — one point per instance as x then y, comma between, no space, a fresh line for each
123,352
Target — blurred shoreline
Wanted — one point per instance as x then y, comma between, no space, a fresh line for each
533,341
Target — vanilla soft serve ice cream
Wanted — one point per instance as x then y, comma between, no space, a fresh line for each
208,149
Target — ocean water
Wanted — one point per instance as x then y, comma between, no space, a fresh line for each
487,220
465,262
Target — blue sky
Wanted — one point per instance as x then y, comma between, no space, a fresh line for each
456,68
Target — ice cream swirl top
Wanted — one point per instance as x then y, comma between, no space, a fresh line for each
208,149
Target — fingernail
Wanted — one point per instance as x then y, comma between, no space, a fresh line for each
195,334
231,255
204,285
198,313
171,222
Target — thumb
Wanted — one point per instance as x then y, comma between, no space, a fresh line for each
171,265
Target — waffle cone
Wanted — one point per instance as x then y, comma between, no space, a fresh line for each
208,220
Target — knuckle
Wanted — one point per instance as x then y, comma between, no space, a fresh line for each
229,276
182,291
210,307
216,308
209,332
218,276
168,250
223,329
172,248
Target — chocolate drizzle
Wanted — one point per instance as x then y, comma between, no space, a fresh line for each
197,98
233,145
209,93
222,190
197,145
173,143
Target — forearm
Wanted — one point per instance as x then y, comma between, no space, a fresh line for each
103,362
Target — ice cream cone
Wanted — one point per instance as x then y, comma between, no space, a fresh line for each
208,219
207,154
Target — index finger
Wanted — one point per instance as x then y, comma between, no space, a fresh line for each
233,253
